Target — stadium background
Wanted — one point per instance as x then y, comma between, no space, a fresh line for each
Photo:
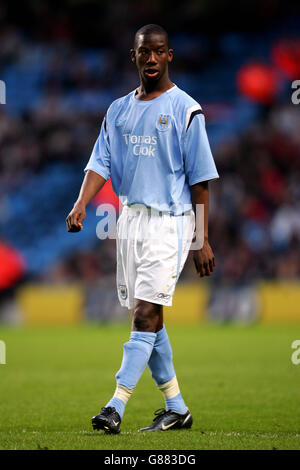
63,63
62,66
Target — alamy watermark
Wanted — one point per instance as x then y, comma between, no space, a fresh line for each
295,358
296,94
2,352
186,226
2,92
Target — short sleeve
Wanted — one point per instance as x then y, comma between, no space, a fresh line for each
198,159
99,161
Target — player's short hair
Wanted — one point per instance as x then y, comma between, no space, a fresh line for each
150,29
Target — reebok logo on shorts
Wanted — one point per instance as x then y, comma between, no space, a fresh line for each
162,296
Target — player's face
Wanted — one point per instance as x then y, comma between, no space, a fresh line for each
152,56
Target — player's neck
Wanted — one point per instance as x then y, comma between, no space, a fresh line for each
148,91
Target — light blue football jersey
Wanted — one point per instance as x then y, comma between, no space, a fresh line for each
153,151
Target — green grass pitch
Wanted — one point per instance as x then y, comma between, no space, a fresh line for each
239,383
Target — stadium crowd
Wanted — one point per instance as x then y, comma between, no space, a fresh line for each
254,217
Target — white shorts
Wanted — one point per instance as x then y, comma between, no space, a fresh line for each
152,248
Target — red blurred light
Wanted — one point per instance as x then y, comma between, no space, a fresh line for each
107,196
257,82
286,56
11,266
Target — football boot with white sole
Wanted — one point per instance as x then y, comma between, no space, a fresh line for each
167,420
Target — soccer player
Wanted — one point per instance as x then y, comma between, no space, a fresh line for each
154,147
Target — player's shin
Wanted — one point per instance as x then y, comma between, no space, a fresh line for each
137,352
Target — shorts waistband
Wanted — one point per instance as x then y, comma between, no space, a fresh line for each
137,208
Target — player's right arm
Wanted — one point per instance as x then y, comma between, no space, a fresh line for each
91,185
97,173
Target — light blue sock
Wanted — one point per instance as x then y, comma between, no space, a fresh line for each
162,368
118,404
137,352
160,362
176,404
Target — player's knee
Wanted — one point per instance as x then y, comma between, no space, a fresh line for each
144,318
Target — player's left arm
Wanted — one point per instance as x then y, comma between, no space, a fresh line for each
199,169
203,258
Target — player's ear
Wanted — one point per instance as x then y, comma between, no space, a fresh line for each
170,55
132,55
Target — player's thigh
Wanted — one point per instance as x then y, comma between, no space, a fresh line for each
126,272
158,265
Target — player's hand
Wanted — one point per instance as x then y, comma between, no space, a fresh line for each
204,260
76,217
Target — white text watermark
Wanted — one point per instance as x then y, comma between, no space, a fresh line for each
2,92
133,224
295,358
2,352
296,93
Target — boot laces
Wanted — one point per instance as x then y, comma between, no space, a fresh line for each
159,413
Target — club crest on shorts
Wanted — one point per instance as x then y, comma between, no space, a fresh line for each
123,292
163,123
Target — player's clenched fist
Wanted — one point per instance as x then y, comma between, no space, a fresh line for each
204,260
76,217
